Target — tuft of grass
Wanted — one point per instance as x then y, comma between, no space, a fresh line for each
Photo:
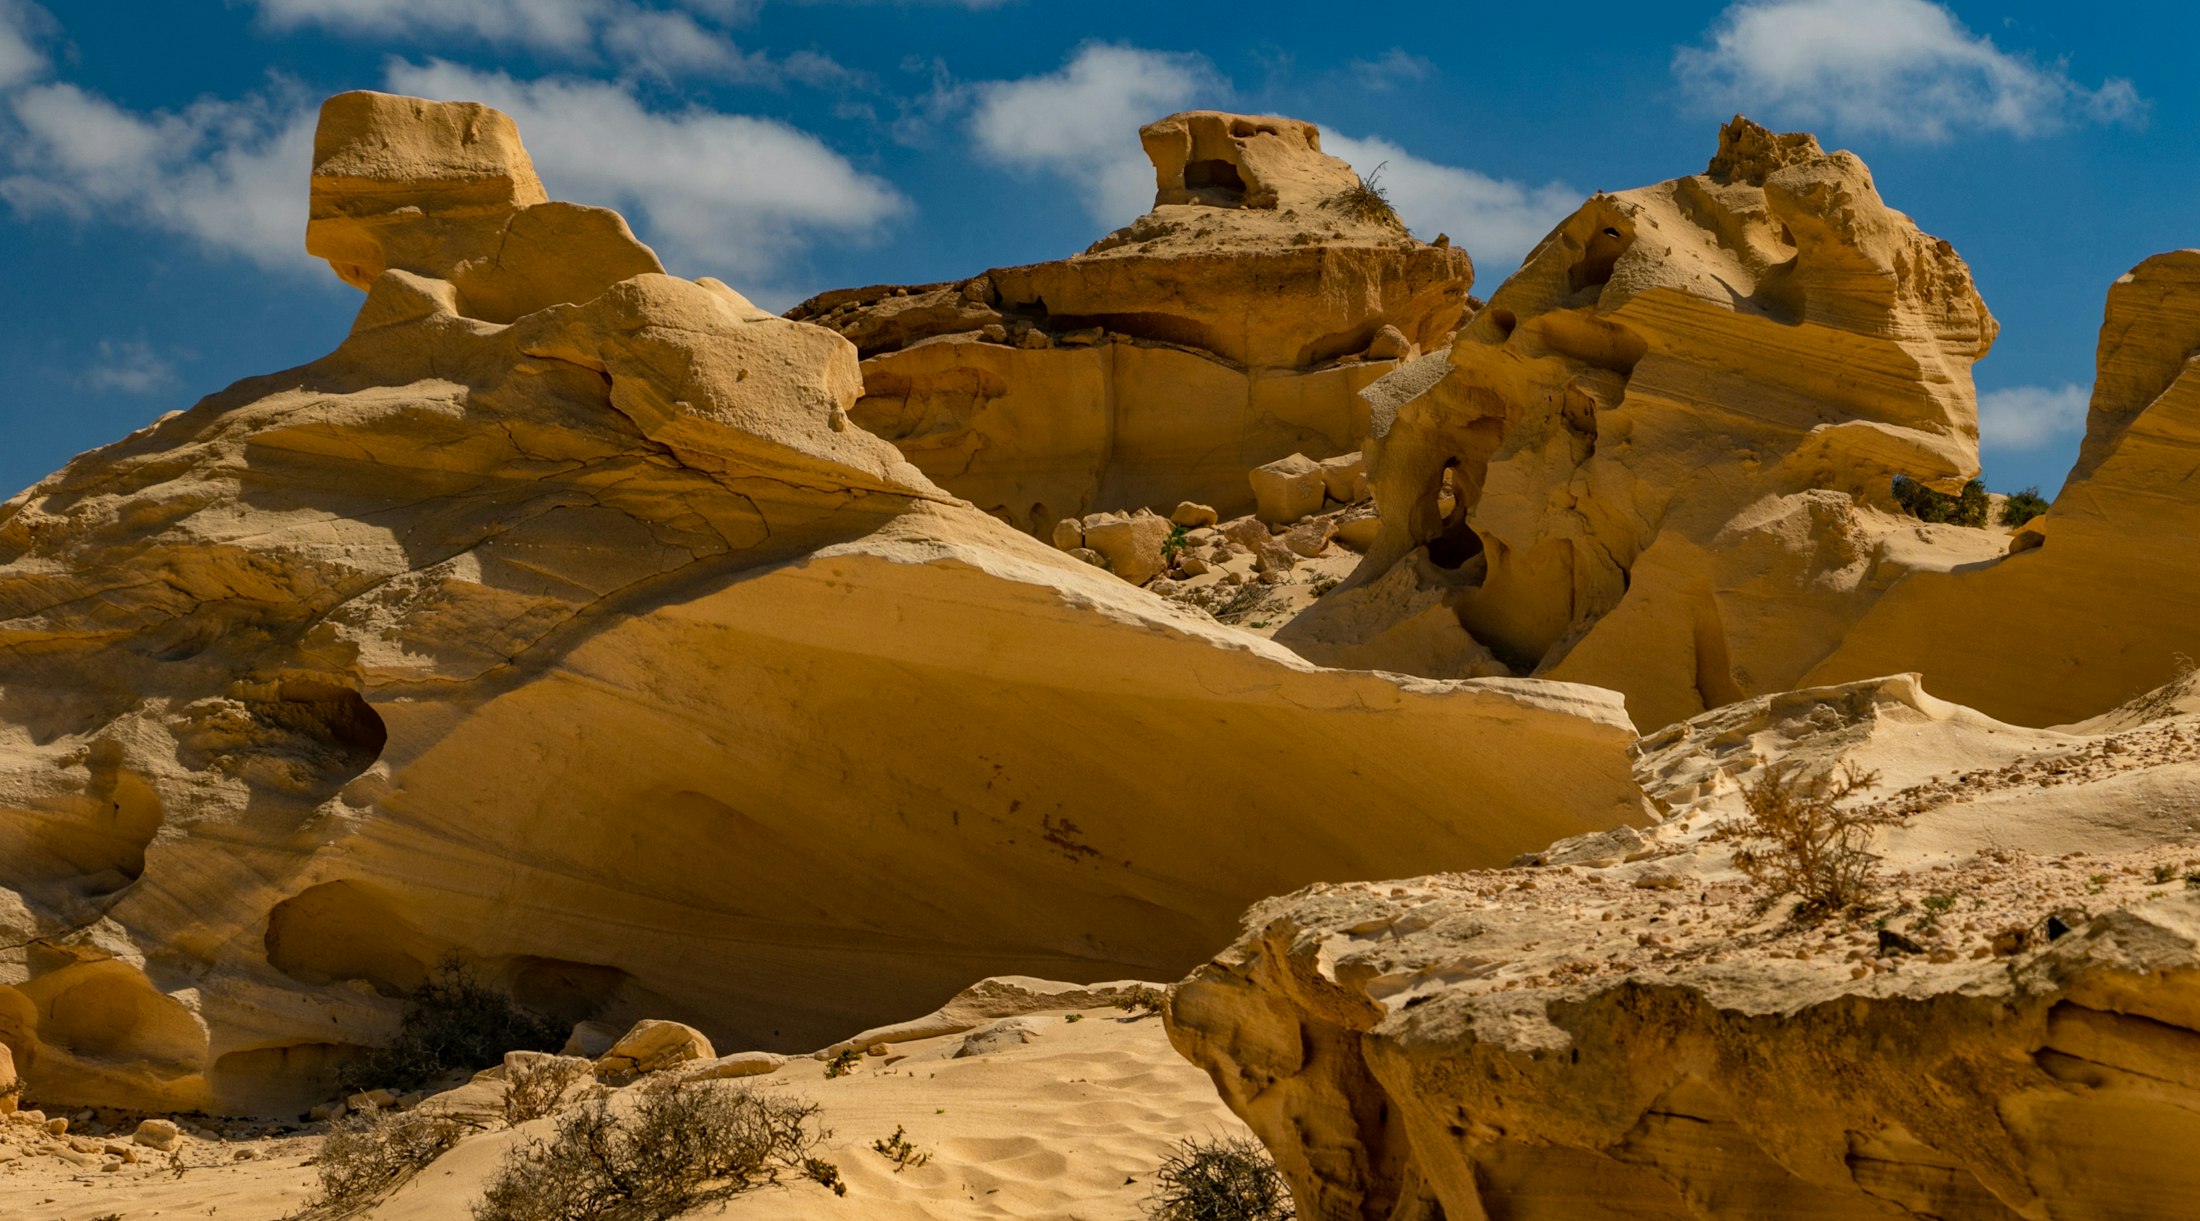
900,1151
1966,508
1366,200
2022,507
843,1062
1175,543
1797,838
1225,1179
452,1021
682,1145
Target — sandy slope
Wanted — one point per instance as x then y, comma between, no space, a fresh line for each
1067,1126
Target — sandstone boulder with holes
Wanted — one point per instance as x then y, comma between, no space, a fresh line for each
565,625
1231,326
1660,459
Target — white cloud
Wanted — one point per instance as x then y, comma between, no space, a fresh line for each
2031,417
560,25
22,27
1496,219
724,194
230,174
128,367
1390,69
1082,121
636,35
1901,68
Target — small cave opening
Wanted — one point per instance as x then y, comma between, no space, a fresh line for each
1456,542
1603,252
1214,175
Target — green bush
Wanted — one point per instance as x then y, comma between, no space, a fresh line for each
2022,507
1225,1179
1966,508
452,1021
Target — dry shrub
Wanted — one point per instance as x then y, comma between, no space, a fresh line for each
367,1154
534,1088
1225,1179
683,1144
1966,508
1143,1001
1797,838
1366,200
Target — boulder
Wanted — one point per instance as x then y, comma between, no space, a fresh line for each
1193,516
591,1039
11,1087
1130,543
653,1046
1288,489
1344,478
158,1134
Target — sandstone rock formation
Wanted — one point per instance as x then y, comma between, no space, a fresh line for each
1631,1034
565,620
1231,326
2101,598
1659,460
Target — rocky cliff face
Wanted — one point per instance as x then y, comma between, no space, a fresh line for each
1659,461
2097,600
1231,326
566,620
1623,1030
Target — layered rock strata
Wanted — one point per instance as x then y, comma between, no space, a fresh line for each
565,621
2096,600
1660,459
1626,1029
1231,326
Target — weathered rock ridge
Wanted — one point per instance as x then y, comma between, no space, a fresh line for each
565,619
1233,325
2100,599
1660,459
1621,1032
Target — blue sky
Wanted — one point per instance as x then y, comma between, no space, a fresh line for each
153,153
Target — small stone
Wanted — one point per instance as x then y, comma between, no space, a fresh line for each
1193,516
158,1134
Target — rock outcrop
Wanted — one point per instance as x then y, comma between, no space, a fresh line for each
1231,326
566,621
2100,599
1633,1033
1660,459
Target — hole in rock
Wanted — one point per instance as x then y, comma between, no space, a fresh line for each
1456,542
348,930
1213,175
567,991
1504,320
1605,247
110,1011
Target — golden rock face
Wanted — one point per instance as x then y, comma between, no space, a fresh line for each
1664,449
566,619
